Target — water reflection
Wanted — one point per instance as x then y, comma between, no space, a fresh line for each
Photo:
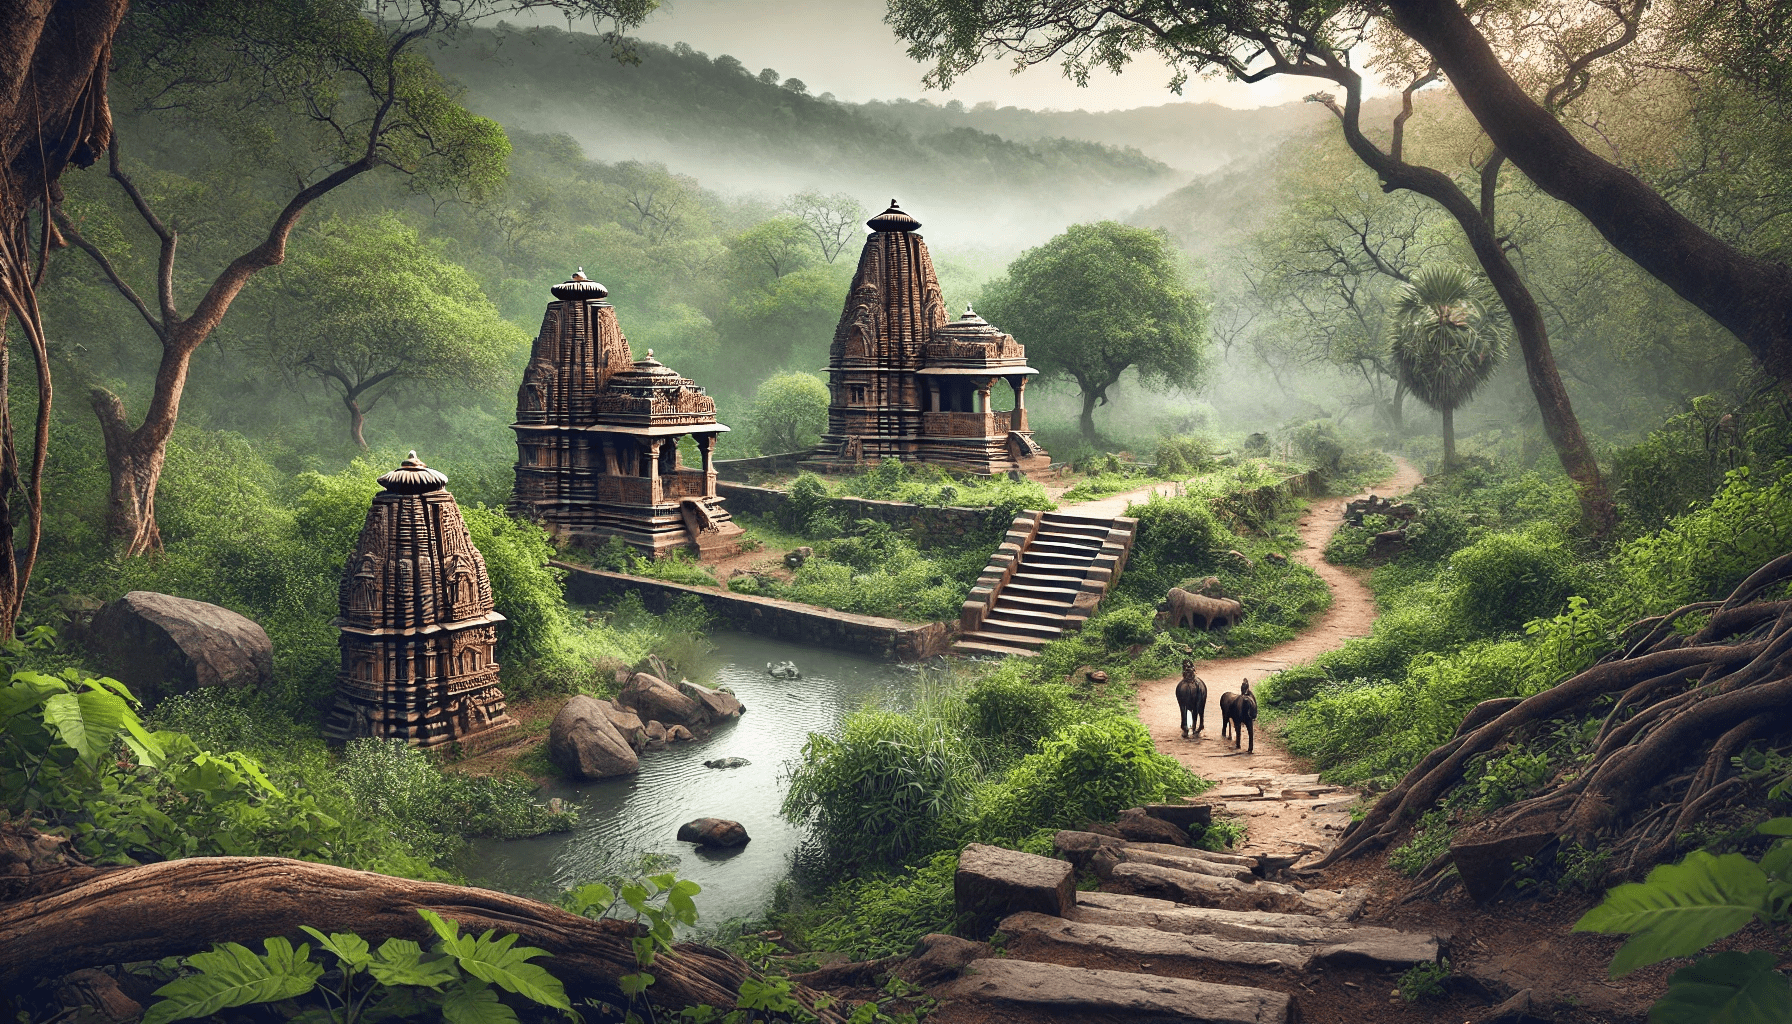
624,818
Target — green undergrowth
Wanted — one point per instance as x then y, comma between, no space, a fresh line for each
892,480
1497,598
992,753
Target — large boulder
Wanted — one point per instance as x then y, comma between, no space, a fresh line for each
713,832
160,645
992,883
584,744
654,699
717,704
626,722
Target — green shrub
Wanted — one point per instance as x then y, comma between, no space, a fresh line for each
885,915
1430,840
808,497
1126,627
1504,580
1291,686
1089,771
1176,539
1012,714
1510,777
407,791
884,789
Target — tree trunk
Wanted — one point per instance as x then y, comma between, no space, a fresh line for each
1449,438
1087,421
180,907
135,468
1559,422
355,420
1751,297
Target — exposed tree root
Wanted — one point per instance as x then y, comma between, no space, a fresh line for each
1684,704
182,906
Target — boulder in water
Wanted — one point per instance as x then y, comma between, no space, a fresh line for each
160,645
717,704
653,698
679,734
656,736
583,744
783,670
713,832
727,762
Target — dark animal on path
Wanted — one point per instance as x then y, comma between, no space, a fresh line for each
1191,702
1181,606
1238,715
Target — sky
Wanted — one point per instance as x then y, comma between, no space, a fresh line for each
844,47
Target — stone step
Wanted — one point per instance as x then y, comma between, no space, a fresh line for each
1055,559
1075,540
1154,946
1058,591
1209,855
1086,552
1082,993
1209,891
1012,640
1000,623
1010,598
1027,614
1133,853
1362,946
1031,572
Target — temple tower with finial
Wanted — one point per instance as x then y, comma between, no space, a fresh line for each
909,382
597,436
418,633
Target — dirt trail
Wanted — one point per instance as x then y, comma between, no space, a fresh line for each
1253,785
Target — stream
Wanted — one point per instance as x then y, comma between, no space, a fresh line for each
621,819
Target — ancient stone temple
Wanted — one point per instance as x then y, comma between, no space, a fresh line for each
597,436
911,383
418,629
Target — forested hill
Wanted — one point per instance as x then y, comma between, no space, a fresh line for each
735,129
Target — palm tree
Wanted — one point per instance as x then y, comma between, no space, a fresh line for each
1448,337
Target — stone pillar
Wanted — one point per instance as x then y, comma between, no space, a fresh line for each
651,446
1019,419
706,445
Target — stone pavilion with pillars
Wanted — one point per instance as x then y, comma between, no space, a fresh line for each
908,381
418,632
597,436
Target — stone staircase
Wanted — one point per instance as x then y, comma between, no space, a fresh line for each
1045,579
1188,936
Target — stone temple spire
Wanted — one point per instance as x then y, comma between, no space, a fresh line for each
417,627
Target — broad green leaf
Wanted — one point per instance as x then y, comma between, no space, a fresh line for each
1775,827
496,961
401,1004
1679,909
596,896
473,1002
232,975
104,683
18,699
87,722
400,962
349,948
448,930
142,743
1729,988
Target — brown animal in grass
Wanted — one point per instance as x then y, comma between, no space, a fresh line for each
1238,716
1191,702
1181,607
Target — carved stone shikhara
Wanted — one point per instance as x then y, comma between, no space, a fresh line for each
597,436
910,383
418,629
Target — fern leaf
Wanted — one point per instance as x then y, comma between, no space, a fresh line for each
232,975
1679,909
473,1002
1729,988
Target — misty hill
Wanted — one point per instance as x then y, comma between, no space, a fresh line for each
735,131
1195,138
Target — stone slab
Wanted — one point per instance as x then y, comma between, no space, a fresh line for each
1381,947
992,883
1186,851
1093,993
1209,891
1132,853
1156,946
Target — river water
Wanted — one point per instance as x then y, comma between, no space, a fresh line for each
621,819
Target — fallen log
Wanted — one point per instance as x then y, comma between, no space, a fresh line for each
181,907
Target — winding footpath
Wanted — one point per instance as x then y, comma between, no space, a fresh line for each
1287,811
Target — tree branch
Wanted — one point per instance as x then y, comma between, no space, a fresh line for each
170,239
73,234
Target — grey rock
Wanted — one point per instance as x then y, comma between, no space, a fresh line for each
1155,946
626,722
727,762
1183,816
938,958
679,734
653,698
1082,992
992,883
1214,856
1208,891
655,734
160,645
783,670
584,745
713,832
717,704
1137,855
1380,948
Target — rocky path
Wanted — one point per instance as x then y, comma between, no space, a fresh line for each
1286,812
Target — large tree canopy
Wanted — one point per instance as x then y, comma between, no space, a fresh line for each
1098,300
368,309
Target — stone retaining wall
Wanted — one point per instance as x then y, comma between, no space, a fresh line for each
927,521
770,617
742,470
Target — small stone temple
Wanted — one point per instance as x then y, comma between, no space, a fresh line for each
597,436
418,629
909,382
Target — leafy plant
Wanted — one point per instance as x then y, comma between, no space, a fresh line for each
1221,835
1424,981
398,980
1682,908
1430,840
